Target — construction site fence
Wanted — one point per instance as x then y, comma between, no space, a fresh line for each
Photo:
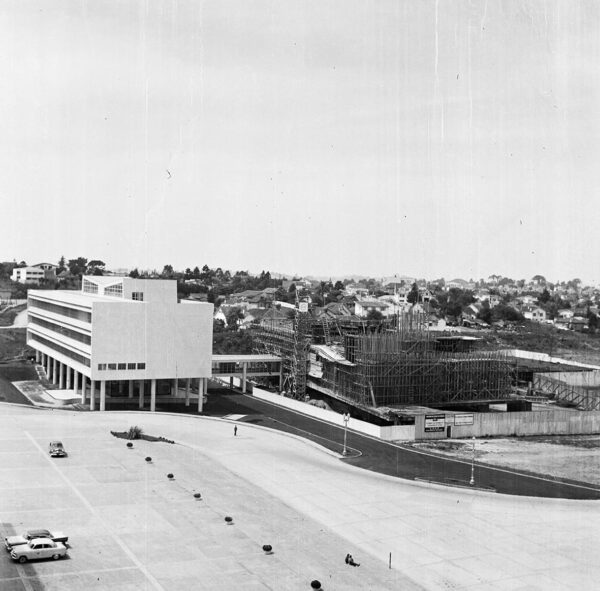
389,433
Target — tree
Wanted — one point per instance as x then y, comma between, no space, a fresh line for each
78,266
167,271
374,315
413,294
135,273
61,264
339,286
233,316
95,267
544,297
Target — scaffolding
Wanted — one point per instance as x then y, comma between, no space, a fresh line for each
387,364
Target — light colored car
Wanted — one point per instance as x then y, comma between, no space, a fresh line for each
32,534
37,549
56,449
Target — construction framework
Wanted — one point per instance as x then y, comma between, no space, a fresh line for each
385,364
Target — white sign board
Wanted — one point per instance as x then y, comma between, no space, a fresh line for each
303,306
463,420
435,423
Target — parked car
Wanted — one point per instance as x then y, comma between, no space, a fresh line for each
38,548
56,449
32,534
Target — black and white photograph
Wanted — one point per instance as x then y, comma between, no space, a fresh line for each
299,295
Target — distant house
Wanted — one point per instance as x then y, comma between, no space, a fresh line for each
358,290
565,313
578,324
535,313
363,307
28,274
459,284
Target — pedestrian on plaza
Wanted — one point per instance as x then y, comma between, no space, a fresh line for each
235,430
350,560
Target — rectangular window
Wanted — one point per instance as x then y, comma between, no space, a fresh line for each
122,365
112,366
102,366
131,366
141,366
138,296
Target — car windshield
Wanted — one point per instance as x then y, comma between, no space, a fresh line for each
56,444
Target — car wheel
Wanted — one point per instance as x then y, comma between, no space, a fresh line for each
22,559
55,556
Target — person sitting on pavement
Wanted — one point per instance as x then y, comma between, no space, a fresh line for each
349,560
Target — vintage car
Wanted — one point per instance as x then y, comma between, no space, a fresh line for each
56,449
32,534
38,548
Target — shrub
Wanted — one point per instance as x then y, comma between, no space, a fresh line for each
148,459
170,476
229,520
129,444
315,584
267,548
134,432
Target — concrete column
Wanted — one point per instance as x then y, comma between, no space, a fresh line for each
47,366
68,377
102,395
187,392
75,380
142,384
280,376
83,388
231,382
200,393
244,374
175,386
92,394
61,375
152,395
130,388
37,356
54,364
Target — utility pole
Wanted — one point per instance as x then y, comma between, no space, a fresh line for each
346,419
472,481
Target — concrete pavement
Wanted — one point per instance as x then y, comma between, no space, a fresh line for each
310,505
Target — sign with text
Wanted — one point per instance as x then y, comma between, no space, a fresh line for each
463,420
435,423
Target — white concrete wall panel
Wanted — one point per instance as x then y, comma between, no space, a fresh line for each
171,339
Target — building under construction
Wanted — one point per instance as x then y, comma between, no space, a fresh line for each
390,363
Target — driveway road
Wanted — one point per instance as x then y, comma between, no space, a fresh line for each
393,459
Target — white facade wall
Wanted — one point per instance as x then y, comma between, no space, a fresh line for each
173,340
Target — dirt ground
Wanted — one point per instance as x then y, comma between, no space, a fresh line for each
572,457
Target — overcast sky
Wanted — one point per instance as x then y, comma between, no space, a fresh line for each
450,138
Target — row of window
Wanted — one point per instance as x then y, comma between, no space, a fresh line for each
62,310
89,287
67,352
116,366
72,334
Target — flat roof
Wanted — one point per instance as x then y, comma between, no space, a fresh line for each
76,298
245,358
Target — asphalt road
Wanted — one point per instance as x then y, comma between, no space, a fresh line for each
393,459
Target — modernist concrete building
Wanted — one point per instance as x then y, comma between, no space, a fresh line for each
118,335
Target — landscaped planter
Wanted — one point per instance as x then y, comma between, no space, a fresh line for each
315,584
267,549
170,476
229,520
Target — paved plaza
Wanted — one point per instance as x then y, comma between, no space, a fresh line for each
132,528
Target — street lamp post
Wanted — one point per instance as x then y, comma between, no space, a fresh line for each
472,482
346,419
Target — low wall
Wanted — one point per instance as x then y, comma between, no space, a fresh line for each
518,424
391,433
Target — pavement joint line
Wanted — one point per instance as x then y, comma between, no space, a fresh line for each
68,574
93,511
24,578
432,455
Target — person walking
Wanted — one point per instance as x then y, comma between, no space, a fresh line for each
235,430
